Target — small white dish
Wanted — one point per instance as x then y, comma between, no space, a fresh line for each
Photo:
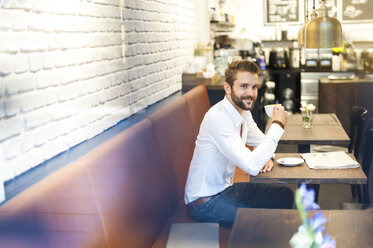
290,161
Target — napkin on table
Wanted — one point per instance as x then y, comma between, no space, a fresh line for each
329,160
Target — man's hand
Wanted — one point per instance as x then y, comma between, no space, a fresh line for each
279,114
268,166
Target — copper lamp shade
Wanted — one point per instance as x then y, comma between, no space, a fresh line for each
301,32
323,31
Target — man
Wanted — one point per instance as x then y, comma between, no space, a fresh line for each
210,194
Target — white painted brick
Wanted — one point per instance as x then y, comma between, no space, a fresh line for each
41,135
82,87
114,93
75,92
87,71
30,159
91,85
74,56
40,99
102,97
8,169
6,64
26,82
59,111
60,128
12,106
81,104
21,20
11,84
11,126
36,63
50,95
34,42
94,129
10,42
103,110
21,63
37,118
64,23
12,148
63,93
89,116
98,79
93,100
2,155
60,59
123,113
42,22
27,102
54,147
47,78
71,74
48,60
27,141
75,137
131,98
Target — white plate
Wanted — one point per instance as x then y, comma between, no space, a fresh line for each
290,161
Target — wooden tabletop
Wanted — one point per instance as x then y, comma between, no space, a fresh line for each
326,130
274,227
302,173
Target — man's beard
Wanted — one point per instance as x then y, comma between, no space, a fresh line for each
239,101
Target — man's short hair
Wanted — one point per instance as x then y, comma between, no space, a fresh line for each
239,65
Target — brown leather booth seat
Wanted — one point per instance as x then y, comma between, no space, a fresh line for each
124,193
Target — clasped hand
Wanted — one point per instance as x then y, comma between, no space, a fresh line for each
268,166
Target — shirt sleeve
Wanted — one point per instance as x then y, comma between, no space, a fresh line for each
229,143
254,135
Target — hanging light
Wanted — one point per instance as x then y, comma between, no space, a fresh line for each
323,31
301,31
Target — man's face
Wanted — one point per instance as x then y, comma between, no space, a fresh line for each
244,91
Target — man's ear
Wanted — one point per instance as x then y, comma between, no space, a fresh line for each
227,88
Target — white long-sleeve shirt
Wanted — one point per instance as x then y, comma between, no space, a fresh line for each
220,148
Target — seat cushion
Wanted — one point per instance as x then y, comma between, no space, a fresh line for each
175,136
198,104
61,209
180,215
130,187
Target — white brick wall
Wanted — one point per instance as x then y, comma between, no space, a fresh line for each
63,77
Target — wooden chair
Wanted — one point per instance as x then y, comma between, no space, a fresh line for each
367,165
357,118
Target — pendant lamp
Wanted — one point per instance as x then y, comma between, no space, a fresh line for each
301,31
323,31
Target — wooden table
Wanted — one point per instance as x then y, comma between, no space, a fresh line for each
326,130
261,228
303,174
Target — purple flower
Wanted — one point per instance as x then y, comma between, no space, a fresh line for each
310,233
308,198
318,222
328,242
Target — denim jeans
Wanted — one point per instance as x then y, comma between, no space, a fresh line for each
223,207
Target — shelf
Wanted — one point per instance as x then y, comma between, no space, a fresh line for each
223,24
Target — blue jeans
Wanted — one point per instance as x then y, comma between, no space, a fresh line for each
223,207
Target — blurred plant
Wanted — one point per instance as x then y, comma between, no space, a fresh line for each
307,110
306,107
310,233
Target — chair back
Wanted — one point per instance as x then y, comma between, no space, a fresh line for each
368,162
357,118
